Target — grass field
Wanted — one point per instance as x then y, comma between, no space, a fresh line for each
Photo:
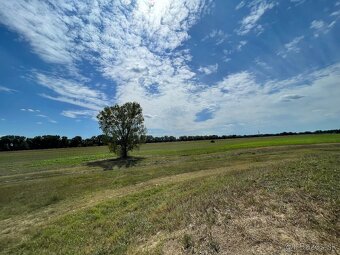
274,195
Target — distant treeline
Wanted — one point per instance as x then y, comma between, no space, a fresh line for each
12,142
151,139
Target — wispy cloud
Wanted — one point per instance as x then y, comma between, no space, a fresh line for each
291,46
321,27
39,23
29,110
132,43
47,118
298,2
72,92
257,10
207,70
8,90
240,5
42,116
217,35
79,113
138,45
335,13
240,45
259,102
262,64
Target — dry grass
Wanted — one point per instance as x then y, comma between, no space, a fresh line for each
278,200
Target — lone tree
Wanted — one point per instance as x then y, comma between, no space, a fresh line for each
123,126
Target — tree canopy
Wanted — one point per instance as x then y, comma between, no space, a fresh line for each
123,126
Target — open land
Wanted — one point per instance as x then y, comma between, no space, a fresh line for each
272,195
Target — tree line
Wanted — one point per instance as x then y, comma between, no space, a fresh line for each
12,142
151,139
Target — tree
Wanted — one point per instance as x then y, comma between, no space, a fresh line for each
64,142
123,127
76,141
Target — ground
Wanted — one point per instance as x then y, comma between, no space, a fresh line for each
274,195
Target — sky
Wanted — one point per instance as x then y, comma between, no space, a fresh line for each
196,66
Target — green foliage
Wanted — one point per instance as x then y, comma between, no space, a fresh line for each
123,126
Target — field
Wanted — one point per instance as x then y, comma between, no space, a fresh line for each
274,195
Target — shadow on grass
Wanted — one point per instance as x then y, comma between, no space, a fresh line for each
110,164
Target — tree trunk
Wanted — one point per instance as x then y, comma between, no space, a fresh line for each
124,152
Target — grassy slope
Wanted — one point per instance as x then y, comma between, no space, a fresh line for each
179,197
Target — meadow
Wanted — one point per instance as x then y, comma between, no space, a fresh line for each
272,195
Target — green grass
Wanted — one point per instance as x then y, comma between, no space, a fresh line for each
183,197
201,147
18,162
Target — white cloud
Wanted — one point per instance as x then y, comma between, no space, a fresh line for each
42,115
8,90
262,64
298,2
240,45
79,113
72,92
29,110
226,59
47,118
238,84
240,5
41,27
317,24
59,37
292,46
133,44
138,46
207,70
242,99
320,26
218,35
335,13
258,9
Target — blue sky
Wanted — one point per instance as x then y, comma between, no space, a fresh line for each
195,66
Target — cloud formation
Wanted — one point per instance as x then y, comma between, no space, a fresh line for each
321,27
207,70
139,46
291,46
47,118
72,92
29,110
257,10
135,47
8,90
217,35
79,113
